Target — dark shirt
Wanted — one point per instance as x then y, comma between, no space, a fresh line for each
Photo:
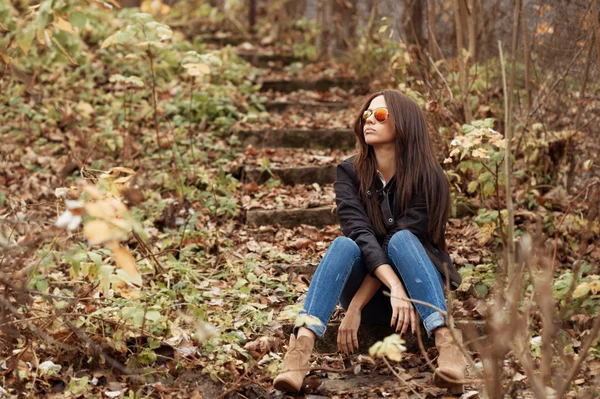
355,223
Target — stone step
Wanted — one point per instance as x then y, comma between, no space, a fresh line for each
322,84
298,138
293,175
368,334
319,216
281,106
222,40
266,60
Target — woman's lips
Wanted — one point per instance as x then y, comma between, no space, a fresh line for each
367,131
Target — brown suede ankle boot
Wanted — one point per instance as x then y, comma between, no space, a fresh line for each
451,361
295,364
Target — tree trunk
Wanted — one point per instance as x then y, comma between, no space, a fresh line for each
471,12
252,14
596,29
434,47
344,20
324,35
412,22
527,59
463,62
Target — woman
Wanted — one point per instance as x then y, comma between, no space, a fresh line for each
393,202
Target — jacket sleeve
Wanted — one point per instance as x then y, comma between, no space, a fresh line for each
354,221
416,221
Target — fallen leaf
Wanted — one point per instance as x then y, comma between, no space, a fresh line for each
125,261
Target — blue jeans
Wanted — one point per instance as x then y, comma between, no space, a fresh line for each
341,272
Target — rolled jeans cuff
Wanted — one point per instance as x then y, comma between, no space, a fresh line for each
432,322
319,330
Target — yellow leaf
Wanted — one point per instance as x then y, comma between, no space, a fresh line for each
63,25
197,69
85,109
582,290
97,232
307,320
125,261
108,208
92,191
480,153
126,291
485,233
390,347
116,171
112,39
5,58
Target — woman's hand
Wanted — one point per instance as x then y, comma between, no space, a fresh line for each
403,312
347,338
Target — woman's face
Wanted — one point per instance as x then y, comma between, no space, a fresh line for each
378,133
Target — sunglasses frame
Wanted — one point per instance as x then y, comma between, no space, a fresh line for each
373,112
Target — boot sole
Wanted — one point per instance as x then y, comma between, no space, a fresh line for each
441,382
285,386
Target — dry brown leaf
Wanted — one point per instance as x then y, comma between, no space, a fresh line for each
125,261
302,243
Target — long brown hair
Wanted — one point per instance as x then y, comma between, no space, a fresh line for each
418,172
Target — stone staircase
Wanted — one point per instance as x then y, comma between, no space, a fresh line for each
296,142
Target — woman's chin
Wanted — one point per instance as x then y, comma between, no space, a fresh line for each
370,140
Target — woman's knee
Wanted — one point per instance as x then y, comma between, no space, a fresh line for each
347,245
401,238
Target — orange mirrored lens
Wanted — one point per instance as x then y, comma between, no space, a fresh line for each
381,114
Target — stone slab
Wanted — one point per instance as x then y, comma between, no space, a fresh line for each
323,84
298,138
281,106
294,175
321,216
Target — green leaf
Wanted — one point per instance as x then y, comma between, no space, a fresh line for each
95,257
241,282
153,315
78,19
481,290
41,285
467,128
489,188
25,37
125,35
473,186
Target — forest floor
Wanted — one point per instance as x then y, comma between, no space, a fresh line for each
253,265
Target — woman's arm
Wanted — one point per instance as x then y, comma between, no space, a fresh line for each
365,292
403,312
347,339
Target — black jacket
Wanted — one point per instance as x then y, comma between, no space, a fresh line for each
355,223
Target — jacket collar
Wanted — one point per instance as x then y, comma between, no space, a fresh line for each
377,185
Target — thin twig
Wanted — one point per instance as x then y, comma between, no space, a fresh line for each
400,378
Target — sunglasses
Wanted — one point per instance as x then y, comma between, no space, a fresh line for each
381,114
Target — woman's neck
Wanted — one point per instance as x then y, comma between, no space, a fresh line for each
385,158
